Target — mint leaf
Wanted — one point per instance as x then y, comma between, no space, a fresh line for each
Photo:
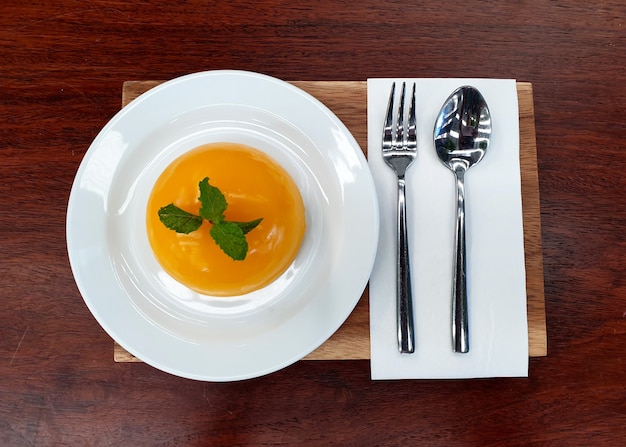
213,203
246,227
230,238
178,219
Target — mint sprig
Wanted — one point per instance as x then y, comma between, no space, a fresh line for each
229,236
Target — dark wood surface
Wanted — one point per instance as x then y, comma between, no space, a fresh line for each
62,65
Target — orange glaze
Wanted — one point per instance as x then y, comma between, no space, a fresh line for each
254,186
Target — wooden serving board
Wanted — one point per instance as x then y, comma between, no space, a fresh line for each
348,100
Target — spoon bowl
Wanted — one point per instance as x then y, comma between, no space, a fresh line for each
463,129
462,133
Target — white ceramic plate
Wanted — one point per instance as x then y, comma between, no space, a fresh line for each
161,321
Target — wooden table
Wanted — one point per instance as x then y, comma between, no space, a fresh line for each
62,67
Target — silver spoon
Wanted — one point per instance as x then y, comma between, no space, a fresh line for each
462,134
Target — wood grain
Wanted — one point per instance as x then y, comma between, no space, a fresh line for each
348,101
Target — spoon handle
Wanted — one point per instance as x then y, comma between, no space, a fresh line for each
460,329
406,337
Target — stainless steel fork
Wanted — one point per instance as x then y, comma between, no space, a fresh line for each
399,150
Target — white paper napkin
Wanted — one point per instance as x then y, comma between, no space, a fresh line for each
494,237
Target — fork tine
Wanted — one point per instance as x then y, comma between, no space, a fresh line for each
412,126
400,136
388,127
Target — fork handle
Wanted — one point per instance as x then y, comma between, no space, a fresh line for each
460,329
406,337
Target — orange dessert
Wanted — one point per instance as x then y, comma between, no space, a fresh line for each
255,186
